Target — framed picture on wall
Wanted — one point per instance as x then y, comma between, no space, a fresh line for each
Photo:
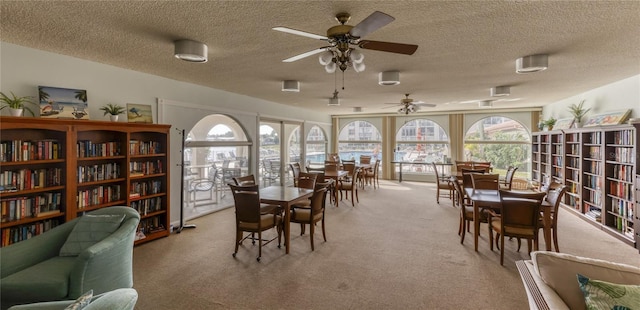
609,118
563,123
139,113
56,102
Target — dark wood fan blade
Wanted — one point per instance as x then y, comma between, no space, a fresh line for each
304,55
370,24
400,48
300,33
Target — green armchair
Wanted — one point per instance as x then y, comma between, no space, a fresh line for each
34,271
120,299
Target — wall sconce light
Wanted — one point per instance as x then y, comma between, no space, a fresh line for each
192,51
291,86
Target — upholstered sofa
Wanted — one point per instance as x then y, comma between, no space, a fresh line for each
120,299
550,278
48,268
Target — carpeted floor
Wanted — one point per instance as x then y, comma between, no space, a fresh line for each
396,249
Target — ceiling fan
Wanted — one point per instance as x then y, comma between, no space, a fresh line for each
343,40
407,105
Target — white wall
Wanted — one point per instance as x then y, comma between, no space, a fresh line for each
23,69
620,95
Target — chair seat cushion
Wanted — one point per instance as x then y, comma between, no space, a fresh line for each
48,280
495,223
304,215
266,220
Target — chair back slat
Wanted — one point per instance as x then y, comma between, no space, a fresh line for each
485,181
307,180
247,203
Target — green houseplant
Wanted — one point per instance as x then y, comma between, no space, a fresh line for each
578,111
113,110
16,104
550,123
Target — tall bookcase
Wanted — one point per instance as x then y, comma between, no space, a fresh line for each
598,165
53,171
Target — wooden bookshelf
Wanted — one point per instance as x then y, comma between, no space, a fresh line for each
95,166
598,165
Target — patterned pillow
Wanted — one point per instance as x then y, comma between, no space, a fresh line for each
82,301
605,295
89,230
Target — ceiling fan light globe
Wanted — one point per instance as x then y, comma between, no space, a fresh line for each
330,67
356,56
359,67
325,58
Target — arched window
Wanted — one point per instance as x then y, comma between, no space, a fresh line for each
316,145
421,140
502,141
359,138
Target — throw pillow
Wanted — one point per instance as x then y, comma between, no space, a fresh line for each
605,295
82,301
89,230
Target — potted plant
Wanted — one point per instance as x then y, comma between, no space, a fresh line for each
114,110
578,111
16,104
550,123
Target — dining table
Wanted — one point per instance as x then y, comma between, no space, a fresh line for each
490,198
336,175
285,197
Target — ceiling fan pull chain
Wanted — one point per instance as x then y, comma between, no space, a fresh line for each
342,80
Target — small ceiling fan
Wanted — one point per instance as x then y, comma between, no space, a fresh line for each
407,105
343,39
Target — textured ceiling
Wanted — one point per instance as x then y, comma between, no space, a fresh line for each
465,47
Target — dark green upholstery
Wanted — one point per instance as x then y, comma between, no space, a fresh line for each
32,270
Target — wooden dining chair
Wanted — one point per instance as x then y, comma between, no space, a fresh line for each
533,195
486,165
485,181
245,180
347,186
371,176
518,218
507,181
249,217
308,181
442,184
311,215
466,212
554,197
365,159
350,168
295,171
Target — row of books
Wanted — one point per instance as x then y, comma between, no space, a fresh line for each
87,148
573,138
593,167
593,138
18,150
621,137
622,208
574,149
623,155
17,208
621,190
98,195
146,188
573,162
23,179
151,225
144,147
145,167
146,206
571,201
623,172
593,196
593,152
16,234
98,172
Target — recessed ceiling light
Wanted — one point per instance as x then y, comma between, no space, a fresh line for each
532,63
389,78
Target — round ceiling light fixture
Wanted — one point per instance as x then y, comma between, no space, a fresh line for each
192,51
389,78
532,63
500,91
485,104
291,86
